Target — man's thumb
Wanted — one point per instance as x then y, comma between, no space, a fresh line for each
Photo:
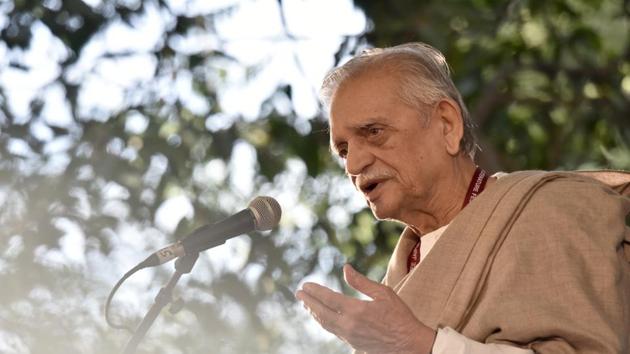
361,283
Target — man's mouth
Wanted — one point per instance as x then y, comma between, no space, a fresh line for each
370,184
368,187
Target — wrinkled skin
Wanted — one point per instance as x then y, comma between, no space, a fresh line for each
381,325
408,165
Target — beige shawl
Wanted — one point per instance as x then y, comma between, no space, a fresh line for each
540,260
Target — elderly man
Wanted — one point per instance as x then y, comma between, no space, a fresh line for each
527,262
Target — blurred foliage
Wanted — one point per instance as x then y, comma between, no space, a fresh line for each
547,82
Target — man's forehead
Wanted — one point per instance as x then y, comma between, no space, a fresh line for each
361,100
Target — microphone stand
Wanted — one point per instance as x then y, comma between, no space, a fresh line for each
183,265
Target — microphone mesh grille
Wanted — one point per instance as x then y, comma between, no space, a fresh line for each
267,212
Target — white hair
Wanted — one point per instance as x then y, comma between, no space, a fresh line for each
423,74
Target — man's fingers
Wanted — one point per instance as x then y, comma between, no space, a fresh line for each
363,284
325,315
333,300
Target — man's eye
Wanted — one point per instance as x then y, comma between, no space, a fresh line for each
373,131
342,153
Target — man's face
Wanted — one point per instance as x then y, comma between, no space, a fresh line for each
392,154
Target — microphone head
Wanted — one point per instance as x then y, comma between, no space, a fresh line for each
267,212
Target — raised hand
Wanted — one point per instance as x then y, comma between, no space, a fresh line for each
382,325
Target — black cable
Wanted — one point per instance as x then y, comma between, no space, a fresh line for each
142,265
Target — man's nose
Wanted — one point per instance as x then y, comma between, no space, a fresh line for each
357,159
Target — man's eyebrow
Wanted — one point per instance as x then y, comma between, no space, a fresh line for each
369,122
373,120
368,125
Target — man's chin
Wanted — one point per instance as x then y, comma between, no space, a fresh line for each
381,212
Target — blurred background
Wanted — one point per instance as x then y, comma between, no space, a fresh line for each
125,124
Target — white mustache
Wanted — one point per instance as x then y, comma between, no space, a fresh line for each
371,175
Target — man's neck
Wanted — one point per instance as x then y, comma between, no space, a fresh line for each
446,200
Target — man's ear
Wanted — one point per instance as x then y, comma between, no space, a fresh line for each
450,116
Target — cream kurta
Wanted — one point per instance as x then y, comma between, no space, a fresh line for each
539,260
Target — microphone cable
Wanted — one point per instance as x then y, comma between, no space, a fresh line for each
109,321
262,214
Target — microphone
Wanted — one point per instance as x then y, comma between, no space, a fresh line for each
262,214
